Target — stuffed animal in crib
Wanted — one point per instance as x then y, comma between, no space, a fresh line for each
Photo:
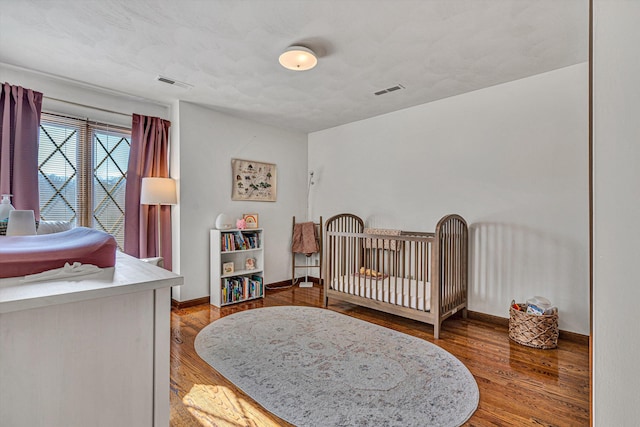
370,272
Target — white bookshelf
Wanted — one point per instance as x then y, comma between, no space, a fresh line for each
243,284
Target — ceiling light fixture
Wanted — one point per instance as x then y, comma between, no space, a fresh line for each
298,58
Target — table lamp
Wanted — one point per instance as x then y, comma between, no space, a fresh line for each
158,191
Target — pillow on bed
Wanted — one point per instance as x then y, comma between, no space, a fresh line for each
48,227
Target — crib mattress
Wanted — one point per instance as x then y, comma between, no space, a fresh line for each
24,255
394,290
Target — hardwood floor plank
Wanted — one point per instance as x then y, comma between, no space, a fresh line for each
519,386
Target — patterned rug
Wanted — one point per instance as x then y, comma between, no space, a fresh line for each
314,367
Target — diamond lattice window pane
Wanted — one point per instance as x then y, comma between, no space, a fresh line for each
57,176
111,159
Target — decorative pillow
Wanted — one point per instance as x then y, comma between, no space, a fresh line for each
386,243
48,227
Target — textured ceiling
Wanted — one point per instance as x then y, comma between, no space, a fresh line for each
228,50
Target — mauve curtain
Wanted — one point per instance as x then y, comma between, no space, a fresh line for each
149,156
20,111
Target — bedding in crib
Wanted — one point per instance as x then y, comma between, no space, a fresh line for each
389,289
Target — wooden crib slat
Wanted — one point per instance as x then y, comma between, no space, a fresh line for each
450,261
454,262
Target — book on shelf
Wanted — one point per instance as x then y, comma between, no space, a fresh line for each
227,267
238,241
252,239
240,288
227,242
258,280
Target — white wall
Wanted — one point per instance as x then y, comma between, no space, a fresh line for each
79,93
208,141
512,159
616,231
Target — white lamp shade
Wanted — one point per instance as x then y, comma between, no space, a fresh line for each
158,191
21,223
298,58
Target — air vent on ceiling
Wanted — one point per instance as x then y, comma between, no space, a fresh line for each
173,82
389,89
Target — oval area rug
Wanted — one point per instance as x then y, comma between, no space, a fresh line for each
315,367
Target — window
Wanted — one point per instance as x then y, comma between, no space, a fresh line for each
82,173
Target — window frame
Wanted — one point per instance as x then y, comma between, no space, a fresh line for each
85,165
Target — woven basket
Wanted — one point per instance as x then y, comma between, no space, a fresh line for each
533,330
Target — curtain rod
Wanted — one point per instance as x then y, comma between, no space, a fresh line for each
87,106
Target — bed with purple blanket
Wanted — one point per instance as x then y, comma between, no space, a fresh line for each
26,255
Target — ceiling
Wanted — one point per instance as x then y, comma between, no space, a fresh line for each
227,50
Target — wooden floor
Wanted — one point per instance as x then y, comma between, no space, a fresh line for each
519,386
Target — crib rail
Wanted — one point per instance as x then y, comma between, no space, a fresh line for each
345,223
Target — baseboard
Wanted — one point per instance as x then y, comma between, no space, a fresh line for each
287,283
278,285
496,320
574,337
504,321
189,303
309,279
271,286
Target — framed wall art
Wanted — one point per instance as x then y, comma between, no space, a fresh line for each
254,181
251,220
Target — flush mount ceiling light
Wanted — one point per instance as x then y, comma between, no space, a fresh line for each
298,58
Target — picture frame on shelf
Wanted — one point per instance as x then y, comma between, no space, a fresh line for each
250,264
253,181
251,220
228,268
